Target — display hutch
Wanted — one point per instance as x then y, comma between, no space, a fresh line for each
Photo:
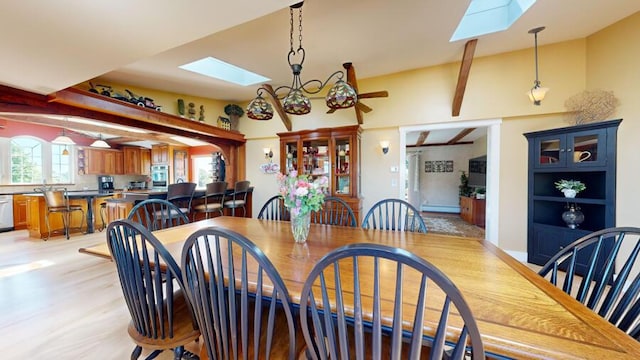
583,152
332,152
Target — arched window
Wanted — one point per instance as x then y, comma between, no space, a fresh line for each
34,161
26,160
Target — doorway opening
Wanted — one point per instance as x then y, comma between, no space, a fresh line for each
492,127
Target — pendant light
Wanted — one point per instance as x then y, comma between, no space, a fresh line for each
65,151
537,93
63,139
99,143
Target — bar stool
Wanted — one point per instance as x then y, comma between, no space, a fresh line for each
239,197
103,212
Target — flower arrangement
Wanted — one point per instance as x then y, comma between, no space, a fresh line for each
302,194
576,185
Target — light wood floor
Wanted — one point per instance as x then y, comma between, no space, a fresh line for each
56,303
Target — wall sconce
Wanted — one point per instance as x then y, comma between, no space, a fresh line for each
384,144
268,154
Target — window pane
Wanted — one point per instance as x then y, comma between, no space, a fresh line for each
26,161
60,164
202,171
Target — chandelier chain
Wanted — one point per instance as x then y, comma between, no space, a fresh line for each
291,29
300,28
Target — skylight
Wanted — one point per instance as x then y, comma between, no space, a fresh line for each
489,16
221,70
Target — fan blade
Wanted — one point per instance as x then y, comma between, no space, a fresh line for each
375,94
331,111
362,107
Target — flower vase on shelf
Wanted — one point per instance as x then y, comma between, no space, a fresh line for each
569,193
573,217
300,227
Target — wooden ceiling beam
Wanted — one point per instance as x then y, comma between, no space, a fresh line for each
463,76
422,138
279,109
455,140
84,104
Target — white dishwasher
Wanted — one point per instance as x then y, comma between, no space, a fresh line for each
6,213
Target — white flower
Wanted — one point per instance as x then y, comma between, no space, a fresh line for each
302,191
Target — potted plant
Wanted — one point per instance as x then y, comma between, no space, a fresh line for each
234,112
480,193
464,188
570,187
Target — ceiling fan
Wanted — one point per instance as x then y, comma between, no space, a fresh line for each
360,107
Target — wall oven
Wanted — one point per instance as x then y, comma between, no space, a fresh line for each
160,176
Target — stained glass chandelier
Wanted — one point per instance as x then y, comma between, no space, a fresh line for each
294,101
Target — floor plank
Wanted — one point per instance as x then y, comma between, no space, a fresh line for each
56,303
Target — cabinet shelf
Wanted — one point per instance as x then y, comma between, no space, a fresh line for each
569,200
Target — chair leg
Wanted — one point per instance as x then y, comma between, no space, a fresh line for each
136,353
46,220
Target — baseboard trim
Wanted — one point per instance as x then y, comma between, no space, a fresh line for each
518,255
441,208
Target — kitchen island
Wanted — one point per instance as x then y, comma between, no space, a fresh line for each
121,204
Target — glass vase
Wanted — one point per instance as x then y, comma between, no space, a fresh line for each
300,227
573,217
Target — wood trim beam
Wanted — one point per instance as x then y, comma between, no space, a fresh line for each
463,76
79,103
422,138
278,106
351,80
455,140
441,144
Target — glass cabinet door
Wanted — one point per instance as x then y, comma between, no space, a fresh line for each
583,148
315,158
291,154
342,173
550,151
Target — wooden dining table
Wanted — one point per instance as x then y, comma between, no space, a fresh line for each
520,315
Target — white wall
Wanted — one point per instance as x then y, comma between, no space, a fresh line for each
440,189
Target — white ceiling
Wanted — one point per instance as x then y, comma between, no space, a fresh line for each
50,45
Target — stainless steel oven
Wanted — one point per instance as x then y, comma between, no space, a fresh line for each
160,176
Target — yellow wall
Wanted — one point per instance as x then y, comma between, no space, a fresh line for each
496,89
612,65
169,101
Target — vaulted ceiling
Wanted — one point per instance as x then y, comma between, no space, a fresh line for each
48,45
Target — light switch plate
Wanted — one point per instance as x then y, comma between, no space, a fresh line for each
394,169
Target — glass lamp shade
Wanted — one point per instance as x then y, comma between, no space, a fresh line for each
341,96
536,94
296,103
65,152
259,109
100,144
63,139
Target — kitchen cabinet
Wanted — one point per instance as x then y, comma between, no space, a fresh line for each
330,152
19,212
160,155
132,160
118,210
100,162
145,161
472,210
583,152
